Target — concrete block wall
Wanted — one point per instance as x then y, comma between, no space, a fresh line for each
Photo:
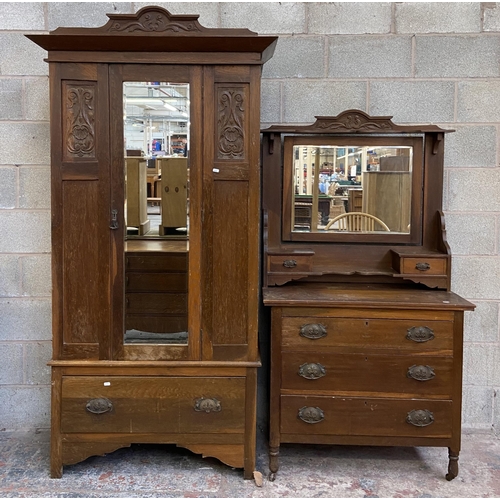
419,62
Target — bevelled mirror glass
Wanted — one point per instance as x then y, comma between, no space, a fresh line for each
359,187
156,168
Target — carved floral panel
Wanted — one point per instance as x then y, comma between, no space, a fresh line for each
79,121
231,103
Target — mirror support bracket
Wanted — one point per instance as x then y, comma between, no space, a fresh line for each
271,144
437,142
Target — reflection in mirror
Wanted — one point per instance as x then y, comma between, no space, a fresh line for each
156,128
352,188
156,169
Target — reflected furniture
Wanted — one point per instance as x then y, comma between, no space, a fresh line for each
355,200
156,291
174,187
136,194
152,185
394,207
356,221
366,336
324,202
111,386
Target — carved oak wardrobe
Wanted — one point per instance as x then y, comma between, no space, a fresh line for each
155,324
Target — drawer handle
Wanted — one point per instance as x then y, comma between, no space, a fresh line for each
420,334
207,405
421,372
313,331
311,414
420,418
422,266
312,371
289,263
99,405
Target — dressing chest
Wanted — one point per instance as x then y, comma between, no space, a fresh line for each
366,336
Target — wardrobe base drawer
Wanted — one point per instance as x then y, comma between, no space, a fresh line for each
366,416
165,405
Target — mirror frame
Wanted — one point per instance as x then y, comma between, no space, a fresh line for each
413,237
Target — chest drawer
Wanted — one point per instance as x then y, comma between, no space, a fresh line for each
153,404
305,415
368,373
405,334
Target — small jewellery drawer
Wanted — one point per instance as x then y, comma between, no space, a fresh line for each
365,417
424,265
159,263
290,263
411,334
152,404
340,372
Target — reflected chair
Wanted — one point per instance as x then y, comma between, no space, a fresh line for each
357,221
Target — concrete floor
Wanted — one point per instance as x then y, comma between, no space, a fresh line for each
306,471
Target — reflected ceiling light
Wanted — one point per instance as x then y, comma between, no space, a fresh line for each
144,100
169,106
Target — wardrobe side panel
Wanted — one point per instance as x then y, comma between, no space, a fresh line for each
233,205
80,232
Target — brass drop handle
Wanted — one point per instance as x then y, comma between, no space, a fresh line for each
99,406
311,414
421,373
420,333
422,266
289,263
420,418
207,405
313,331
312,371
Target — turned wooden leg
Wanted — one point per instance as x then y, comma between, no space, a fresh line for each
452,465
274,452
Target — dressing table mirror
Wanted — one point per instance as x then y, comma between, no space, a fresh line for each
155,201
366,336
